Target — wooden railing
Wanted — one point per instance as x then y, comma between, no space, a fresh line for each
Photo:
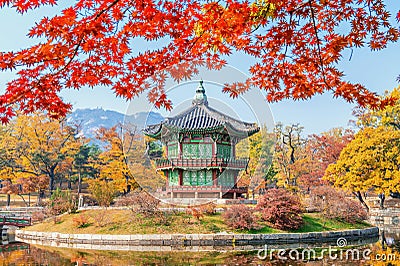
200,163
205,189
16,221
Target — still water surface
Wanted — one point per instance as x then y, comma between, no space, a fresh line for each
25,254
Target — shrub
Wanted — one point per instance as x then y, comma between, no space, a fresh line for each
102,191
140,202
38,216
102,218
195,213
208,208
81,221
240,217
281,209
61,202
335,204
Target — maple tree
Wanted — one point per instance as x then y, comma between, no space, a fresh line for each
322,150
296,45
281,208
240,217
336,204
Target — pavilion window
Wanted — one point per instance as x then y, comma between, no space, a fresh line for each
173,151
174,178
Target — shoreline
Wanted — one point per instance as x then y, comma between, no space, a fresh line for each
197,242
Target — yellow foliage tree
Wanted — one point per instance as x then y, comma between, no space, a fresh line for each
112,164
36,147
259,149
370,161
389,116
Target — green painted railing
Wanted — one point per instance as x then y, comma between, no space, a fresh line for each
15,221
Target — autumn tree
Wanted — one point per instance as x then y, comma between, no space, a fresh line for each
259,149
141,152
370,162
389,116
84,163
103,191
281,208
37,146
297,46
336,204
322,150
289,156
113,162
373,151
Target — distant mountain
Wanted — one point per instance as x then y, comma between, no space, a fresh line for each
92,119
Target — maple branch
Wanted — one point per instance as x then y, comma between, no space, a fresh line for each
286,44
106,9
75,52
83,35
318,45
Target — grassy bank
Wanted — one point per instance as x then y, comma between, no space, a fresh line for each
126,222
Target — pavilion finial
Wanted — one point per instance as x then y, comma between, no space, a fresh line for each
200,97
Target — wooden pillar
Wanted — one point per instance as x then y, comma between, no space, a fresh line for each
214,149
214,174
234,195
180,172
180,150
233,151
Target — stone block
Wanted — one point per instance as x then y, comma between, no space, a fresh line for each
123,237
136,237
107,237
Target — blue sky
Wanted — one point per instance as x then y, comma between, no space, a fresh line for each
376,70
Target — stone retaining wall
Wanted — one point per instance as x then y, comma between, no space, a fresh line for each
385,217
195,241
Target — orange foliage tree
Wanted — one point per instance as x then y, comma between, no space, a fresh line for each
296,45
322,150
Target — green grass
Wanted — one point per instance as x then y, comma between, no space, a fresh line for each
314,222
126,222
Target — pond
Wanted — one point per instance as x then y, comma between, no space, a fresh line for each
370,253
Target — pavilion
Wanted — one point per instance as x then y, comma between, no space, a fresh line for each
200,158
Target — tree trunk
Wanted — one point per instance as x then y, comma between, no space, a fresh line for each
381,200
8,200
361,199
51,185
79,183
23,199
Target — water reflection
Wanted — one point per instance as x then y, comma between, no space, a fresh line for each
25,254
